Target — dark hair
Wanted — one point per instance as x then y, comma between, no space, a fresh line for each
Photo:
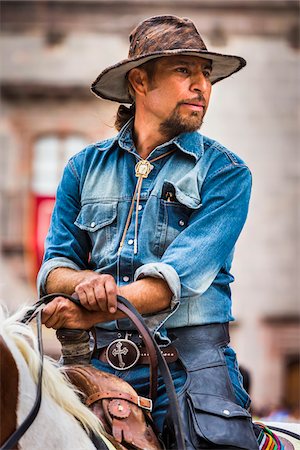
124,113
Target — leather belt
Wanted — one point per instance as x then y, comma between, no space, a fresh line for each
123,354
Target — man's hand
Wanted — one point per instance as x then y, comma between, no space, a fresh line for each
98,292
62,313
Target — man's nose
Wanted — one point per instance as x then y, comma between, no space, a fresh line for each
199,83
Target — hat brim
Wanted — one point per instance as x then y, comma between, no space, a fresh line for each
111,84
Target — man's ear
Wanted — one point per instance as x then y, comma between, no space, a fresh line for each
138,80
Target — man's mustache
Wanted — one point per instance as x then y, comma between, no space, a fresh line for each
195,100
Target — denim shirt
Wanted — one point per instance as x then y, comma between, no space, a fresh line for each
193,207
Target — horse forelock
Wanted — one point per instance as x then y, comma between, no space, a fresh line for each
54,384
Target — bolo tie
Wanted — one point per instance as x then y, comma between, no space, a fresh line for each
142,170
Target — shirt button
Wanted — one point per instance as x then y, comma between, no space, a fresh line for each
181,223
130,241
93,224
125,279
140,207
226,412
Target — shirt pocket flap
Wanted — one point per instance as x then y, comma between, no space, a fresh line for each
183,197
94,216
214,404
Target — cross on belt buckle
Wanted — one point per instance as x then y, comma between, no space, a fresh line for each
122,354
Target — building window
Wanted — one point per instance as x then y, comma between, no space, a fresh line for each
50,155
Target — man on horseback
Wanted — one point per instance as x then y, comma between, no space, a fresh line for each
153,215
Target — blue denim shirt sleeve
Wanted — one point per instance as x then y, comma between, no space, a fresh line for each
199,252
66,245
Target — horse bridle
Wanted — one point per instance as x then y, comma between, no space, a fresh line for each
123,305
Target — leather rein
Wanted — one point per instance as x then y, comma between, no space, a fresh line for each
155,355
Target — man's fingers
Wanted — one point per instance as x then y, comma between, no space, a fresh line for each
100,295
50,309
84,297
53,322
49,313
92,304
111,295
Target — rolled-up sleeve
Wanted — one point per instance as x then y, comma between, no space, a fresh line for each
168,273
50,265
198,253
165,272
66,245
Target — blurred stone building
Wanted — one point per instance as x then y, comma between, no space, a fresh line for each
50,53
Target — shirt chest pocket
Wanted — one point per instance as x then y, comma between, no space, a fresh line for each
99,220
175,209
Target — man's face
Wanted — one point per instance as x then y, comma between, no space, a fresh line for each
179,93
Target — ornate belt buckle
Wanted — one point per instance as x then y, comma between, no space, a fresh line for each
122,354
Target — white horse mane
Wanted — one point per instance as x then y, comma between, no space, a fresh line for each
54,381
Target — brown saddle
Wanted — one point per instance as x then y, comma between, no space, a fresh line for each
124,414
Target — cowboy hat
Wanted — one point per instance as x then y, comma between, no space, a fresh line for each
156,37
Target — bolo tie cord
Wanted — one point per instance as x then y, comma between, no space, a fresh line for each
142,170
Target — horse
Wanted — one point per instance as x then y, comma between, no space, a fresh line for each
63,421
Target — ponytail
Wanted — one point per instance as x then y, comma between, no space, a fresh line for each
123,115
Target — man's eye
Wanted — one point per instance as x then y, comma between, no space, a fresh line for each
182,70
207,73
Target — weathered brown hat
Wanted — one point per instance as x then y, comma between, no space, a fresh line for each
156,37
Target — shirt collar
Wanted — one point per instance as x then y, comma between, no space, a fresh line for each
190,142
125,138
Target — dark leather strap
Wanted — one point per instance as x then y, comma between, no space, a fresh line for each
287,432
165,373
169,353
144,332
